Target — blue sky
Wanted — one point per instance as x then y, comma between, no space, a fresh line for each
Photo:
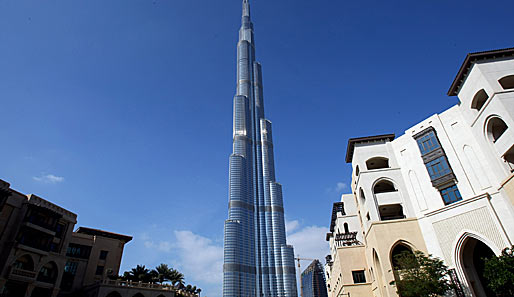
121,110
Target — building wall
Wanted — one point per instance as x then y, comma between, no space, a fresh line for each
46,246
482,164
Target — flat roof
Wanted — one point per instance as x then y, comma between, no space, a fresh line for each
97,232
352,141
472,58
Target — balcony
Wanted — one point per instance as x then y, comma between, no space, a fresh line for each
388,198
22,274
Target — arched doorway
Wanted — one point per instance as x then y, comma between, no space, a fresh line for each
114,294
25,262
48,273
402,257
472,259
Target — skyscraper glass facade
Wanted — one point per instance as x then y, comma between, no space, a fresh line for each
313,281
257,260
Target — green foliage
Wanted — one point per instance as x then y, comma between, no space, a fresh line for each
418,275
162,273
499,272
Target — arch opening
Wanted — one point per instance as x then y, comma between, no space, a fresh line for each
113,294
138,295
377,163
346,229
507,82
384,186
495,129
24,262
402,258
479,100
48,273
473,255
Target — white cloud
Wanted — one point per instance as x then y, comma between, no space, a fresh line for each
309,242
341,186
338,188
200,257
197,257
49,179
291,226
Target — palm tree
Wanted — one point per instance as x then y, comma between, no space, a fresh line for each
139,274
176,278
163,273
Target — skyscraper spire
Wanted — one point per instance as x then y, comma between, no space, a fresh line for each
246,8
257,260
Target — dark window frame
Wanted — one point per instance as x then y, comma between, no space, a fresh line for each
359,276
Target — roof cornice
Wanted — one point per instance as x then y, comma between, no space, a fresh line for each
472,58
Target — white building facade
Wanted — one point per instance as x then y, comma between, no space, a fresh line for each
445,187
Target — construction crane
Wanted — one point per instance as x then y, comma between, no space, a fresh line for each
300,272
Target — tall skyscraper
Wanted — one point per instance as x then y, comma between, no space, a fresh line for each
313,281
257,260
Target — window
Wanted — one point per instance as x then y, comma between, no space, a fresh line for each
103,255
438,167
479,100
377,163
59,230
451,195
78,251
507,82
384,186
71,268
346,230
428,143
495,129
99,270
358,277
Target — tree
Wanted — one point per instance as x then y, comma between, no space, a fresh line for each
499,272
176,278
163,273
138,274
418,275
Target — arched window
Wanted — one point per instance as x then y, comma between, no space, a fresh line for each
479,100
377,163
495,128
507,82
346,230
402,258
398,252
357,170
361,194
25,262
48,273
384,186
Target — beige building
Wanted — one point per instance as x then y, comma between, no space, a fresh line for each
444,187
41,255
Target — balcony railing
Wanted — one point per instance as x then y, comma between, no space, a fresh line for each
131,284
388,198
23,273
